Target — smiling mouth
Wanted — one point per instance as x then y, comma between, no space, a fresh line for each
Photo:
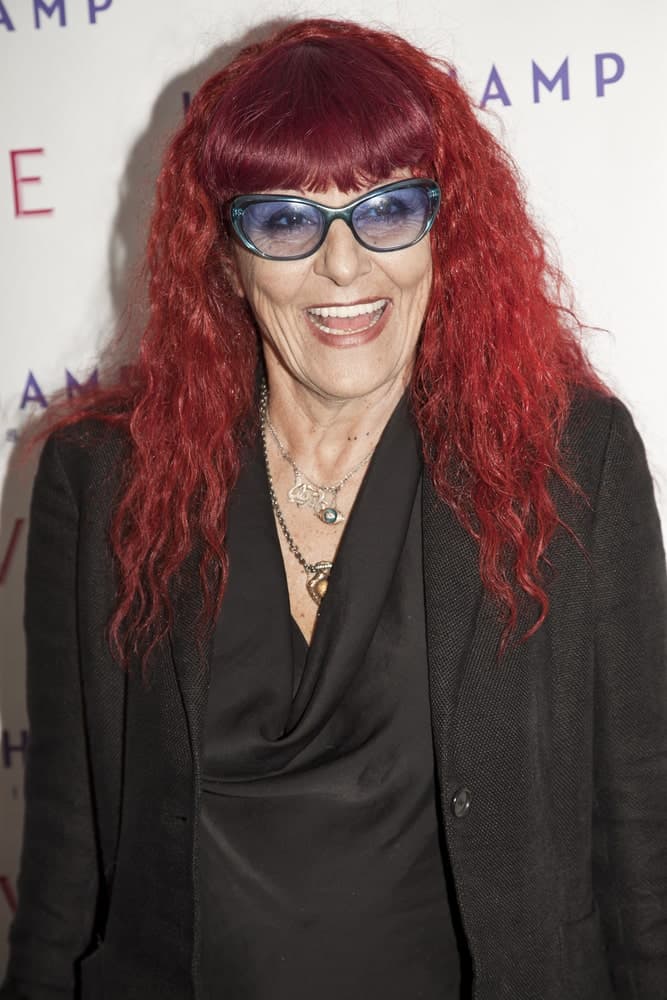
347,319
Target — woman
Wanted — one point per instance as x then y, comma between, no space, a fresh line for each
380,557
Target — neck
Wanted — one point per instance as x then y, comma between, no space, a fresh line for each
328,434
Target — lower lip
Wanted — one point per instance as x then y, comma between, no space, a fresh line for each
356,339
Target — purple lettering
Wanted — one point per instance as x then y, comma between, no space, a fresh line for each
9,748
497,94
5,19
601,80
32,393
561,76
95,8
44,7
74,386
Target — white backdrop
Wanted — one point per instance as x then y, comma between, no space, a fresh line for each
92,88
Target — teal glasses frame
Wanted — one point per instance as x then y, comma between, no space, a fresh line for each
239,205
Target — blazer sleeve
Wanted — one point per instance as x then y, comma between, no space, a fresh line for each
58,880
630,748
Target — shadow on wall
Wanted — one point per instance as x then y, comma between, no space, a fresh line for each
135,196
129,311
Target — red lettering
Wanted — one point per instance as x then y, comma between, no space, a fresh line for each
19,181
11,547
8,892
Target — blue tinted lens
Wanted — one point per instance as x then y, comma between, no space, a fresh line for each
393,219
282,228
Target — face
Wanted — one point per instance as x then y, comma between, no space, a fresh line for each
342,324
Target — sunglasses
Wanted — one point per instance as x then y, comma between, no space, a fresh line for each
282,227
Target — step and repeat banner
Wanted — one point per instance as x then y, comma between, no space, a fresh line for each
93,88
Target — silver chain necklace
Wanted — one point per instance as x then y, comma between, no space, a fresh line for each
323,500
318,572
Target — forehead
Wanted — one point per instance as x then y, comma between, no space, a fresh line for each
333,197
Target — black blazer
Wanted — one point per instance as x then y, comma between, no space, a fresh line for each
551,761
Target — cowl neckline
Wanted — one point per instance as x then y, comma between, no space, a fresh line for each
298,688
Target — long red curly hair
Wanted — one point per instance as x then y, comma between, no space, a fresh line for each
325,103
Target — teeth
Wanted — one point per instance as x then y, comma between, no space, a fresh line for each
372,320
347,312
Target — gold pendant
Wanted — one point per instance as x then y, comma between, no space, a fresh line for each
318,583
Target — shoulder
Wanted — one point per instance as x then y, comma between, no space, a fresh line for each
589,423
599,432
615,514
87,457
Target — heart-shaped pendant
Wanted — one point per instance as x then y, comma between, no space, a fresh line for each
318,583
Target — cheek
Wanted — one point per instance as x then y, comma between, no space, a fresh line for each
416,283
271,288
415,272
426,265
276,316
272,312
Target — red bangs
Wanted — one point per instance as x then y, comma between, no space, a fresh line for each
314,115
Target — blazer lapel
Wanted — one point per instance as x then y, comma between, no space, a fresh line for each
492,733
463,630
455,624
191,658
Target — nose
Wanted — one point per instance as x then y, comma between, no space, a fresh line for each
341,258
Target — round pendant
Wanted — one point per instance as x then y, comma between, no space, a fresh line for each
330,515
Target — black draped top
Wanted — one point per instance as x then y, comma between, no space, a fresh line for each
322,873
